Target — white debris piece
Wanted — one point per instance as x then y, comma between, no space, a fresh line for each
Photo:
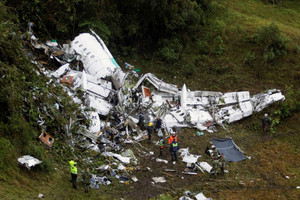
246,108
121,167
201,196
161,160
159,84
264,99
40,195
101,106
60,71
28,161
205,166
159,179
190,158
118,156
95,122
185,198
200,116
243,96
84,80
183,97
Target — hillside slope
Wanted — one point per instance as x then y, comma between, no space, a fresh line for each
233,62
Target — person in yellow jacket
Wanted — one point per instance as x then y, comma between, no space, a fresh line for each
73,165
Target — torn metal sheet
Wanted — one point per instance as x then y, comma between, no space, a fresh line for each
264,99
200,116
62,70
119,157
94,122
246,108
243,96
118,78
228,98
157,83
28,161
179,115
46,138
100,105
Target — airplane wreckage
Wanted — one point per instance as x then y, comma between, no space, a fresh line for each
117,100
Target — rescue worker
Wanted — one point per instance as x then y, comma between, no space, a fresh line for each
141,120
172,137
215,166
73,165
214,163
86,177
150,130
158,123
161,145
266,122
222,163
215,154
173,146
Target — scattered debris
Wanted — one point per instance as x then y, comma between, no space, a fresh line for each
47,138
40,195
201,196
28,161
159,179
161,160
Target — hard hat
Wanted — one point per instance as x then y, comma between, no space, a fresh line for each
173,133
150,124
266,115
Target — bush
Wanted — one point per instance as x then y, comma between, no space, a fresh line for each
297,49
250,58
170,50
190,68
273,44
218,46
7,153
287,107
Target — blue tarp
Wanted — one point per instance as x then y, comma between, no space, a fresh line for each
230,150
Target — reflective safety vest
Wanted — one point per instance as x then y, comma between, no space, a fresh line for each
73,169
171,139
175,144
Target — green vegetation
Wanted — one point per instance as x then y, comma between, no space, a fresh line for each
228,45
